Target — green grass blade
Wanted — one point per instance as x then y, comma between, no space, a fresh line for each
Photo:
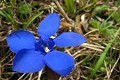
103,55
69,6
32,19
8,16
2,13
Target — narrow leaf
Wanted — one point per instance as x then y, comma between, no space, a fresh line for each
32,19
103,55
69,4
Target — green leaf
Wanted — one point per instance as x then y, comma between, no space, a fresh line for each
24,8
32,19
117,2
107,28
99,9
69,6
94,23
116,16
2,13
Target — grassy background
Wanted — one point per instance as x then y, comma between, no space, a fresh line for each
97,20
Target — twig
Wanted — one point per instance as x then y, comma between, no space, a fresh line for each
21,76
91,32
39,74
78,52
81,61
66,50
91,45
113,67
60,78
26,76
63,12
78,25
71,78
94,47
7,63
31,76
6,56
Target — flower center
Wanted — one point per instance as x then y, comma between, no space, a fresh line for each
39,47
44,46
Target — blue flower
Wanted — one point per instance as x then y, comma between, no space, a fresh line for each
30,54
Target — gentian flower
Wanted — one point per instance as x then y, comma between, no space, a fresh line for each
30,54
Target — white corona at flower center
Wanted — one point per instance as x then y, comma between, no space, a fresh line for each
46,49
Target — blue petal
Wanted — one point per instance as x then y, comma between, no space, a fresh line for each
28,61
49,26
60,62
20,39
67,39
